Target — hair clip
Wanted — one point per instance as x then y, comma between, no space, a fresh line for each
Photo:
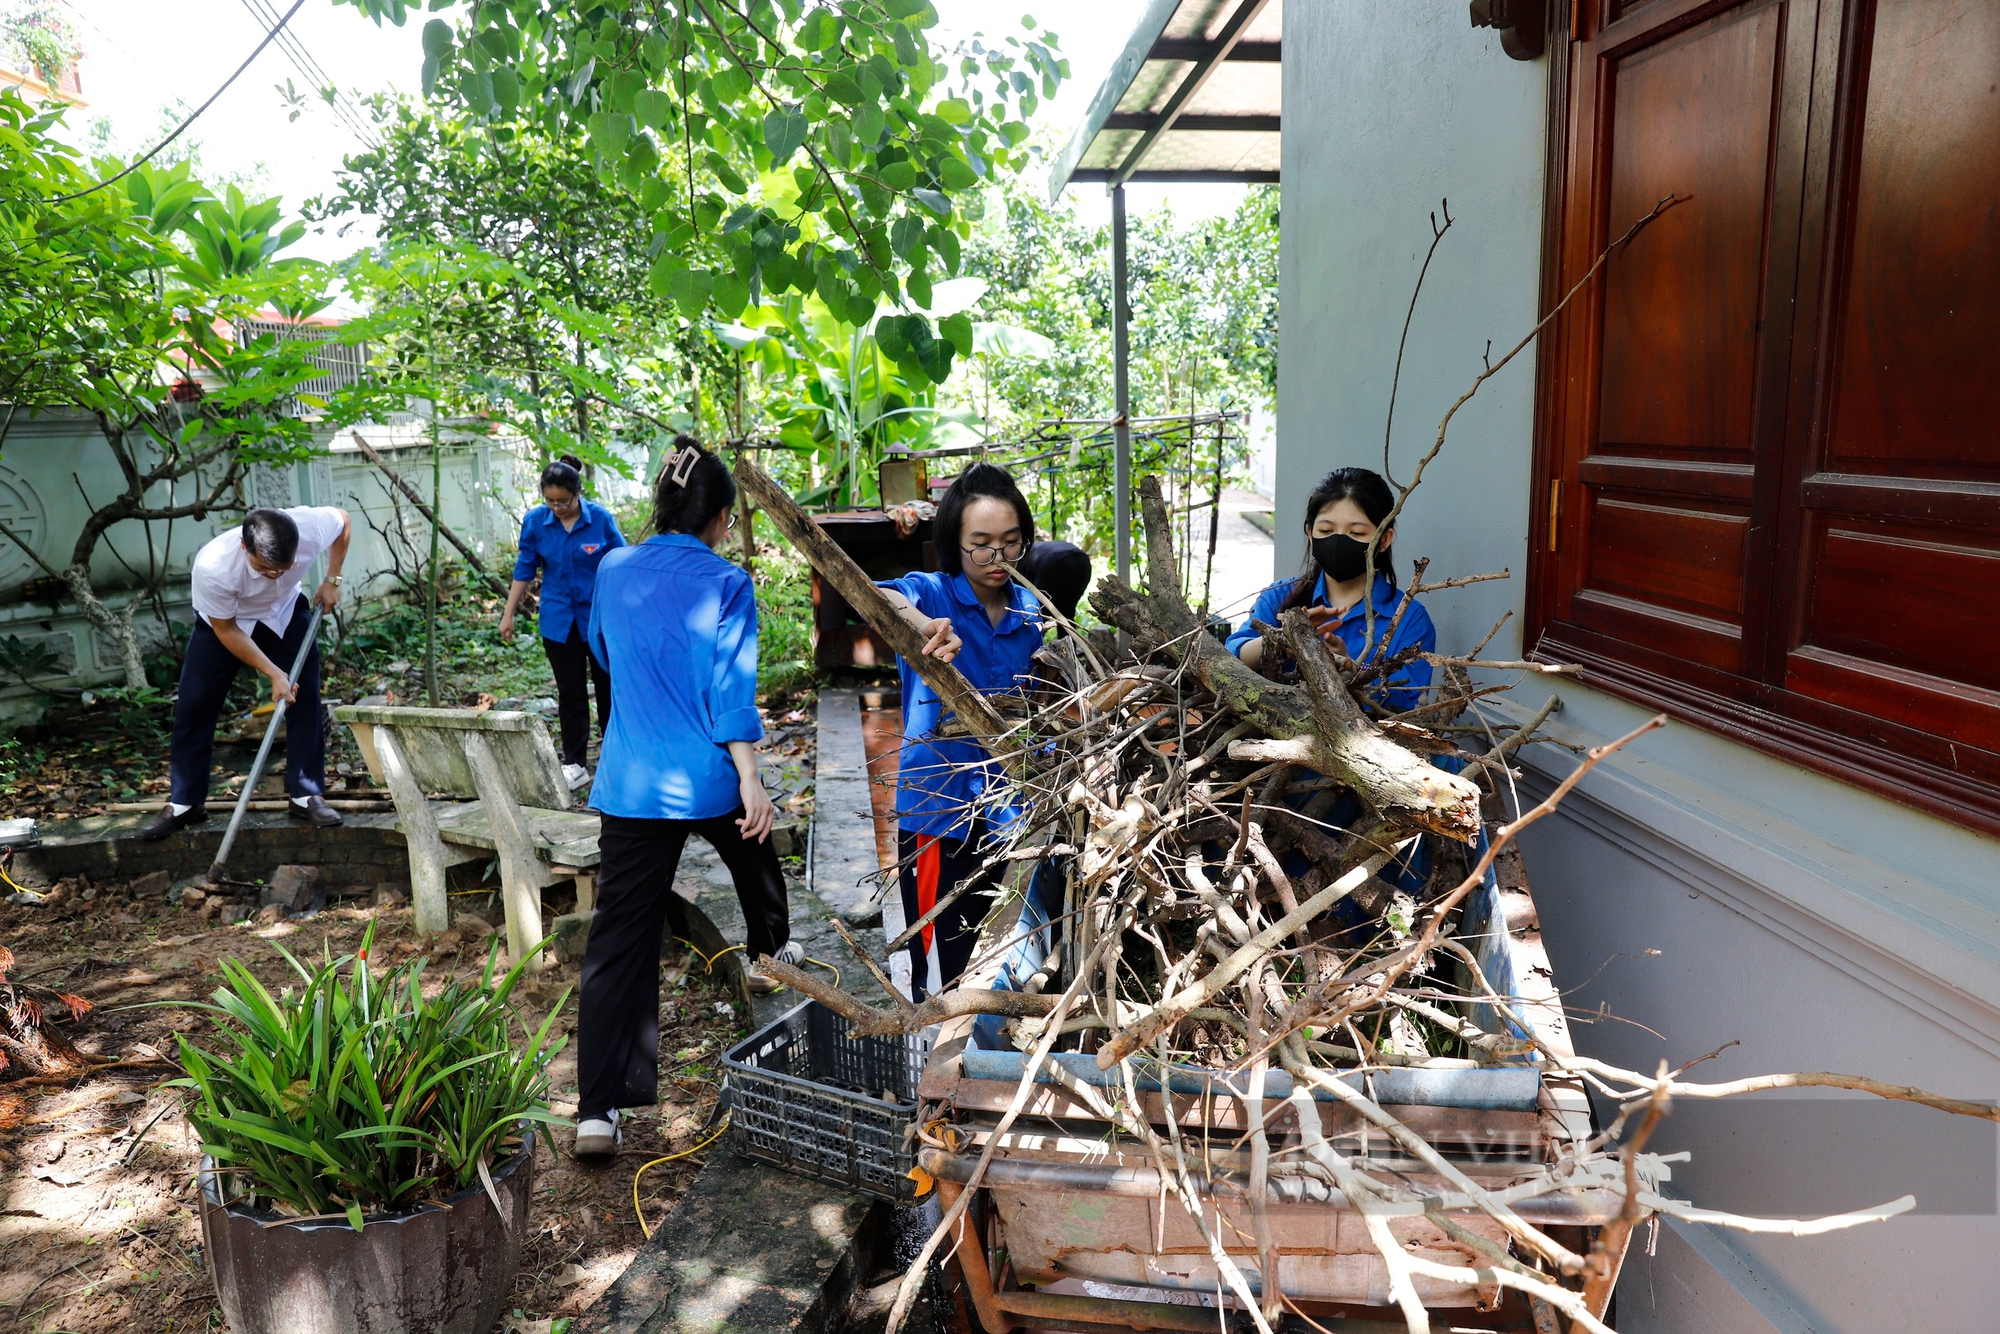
680,466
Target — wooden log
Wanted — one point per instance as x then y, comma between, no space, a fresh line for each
1317,724
973,711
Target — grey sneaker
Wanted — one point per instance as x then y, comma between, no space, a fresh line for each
791,952
598,1138
575,775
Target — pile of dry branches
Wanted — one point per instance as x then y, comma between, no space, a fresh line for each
1215,916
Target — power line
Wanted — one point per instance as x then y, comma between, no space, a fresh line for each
315,75
179,129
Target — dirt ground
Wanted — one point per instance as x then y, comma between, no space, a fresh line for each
97,1170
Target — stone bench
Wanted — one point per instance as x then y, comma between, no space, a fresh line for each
511,802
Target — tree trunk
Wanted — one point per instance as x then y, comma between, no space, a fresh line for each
116,626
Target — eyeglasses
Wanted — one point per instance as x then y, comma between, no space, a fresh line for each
986,555
732,521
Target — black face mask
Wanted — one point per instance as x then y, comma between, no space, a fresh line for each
1343,558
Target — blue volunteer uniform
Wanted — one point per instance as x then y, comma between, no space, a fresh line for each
676,625
932,797
1407,683
568,562
943,811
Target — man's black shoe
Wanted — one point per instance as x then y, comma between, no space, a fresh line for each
315,812
166,822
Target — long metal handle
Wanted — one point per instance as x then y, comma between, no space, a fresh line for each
264,751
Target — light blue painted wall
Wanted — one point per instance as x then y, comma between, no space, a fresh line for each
1407,106
1703,890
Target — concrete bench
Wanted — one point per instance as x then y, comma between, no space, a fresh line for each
513,804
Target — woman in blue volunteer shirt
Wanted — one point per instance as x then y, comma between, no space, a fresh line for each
1341,515
677,625
976,617
565,537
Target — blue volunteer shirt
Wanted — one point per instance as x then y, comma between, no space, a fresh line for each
568,562
933,797
676,626
1406,683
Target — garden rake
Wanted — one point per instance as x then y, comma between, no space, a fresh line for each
215,873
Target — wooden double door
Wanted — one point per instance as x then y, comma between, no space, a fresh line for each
1768,451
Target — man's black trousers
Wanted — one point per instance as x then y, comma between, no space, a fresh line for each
576,670
207,672
618,1013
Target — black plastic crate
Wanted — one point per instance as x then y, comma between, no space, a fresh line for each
807,1096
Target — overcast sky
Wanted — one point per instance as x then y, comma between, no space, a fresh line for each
143,56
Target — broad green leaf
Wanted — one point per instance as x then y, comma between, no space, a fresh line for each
608,132
954,111
868,125
653,108
730,294
957,330
784,132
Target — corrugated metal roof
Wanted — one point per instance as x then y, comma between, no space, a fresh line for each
1195,95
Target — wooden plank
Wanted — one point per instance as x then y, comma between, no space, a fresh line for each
522,873
456,720
428,858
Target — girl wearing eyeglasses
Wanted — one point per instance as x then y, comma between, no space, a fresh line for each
566,537
976,617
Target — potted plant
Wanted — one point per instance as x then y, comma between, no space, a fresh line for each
368,1149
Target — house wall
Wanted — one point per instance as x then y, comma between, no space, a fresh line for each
52,460
1703,893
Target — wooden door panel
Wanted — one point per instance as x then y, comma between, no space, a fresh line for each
1669,554
1771,442
1691,116
1908,597
1917,387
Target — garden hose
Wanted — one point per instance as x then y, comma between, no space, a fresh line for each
708,960
639,1213
21,890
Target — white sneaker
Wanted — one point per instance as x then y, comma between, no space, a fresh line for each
598,1139
575,775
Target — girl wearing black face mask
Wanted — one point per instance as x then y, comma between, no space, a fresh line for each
1341,516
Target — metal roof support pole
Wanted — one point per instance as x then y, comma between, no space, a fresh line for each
1121,373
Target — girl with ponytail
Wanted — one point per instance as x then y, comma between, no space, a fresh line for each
677,625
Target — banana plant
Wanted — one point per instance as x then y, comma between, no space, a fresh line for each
848,393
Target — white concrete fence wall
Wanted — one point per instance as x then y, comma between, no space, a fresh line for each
50,461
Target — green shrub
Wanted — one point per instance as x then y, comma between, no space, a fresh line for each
357,1095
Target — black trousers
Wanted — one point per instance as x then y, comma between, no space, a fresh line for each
932,868
207,672
576,670
618,1010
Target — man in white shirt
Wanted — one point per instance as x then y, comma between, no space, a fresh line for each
249,609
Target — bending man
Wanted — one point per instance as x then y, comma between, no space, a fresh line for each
249,609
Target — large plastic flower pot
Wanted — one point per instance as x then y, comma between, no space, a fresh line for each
441,1269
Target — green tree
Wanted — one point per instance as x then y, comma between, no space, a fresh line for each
1204,307
110,285
566,312
775,147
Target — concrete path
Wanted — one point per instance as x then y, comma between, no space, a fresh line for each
750,1249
